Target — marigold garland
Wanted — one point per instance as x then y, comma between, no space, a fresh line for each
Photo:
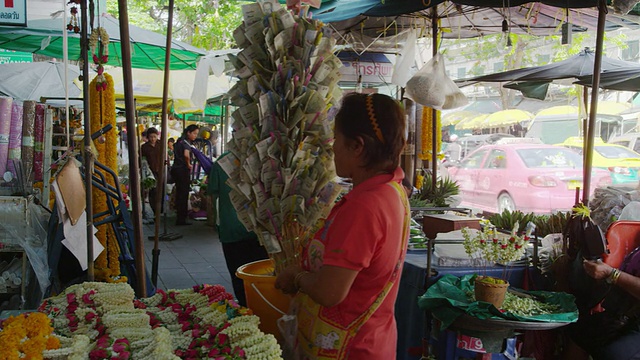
426,135
27,336
103,112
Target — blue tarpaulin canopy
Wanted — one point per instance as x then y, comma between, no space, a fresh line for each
466,18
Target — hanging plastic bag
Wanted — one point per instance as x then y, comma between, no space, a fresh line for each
431,87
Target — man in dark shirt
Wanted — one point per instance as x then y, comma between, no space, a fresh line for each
152,151
238,245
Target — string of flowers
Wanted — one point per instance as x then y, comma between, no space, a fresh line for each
102,105
426,138
99,45
491,247
73,19
27,336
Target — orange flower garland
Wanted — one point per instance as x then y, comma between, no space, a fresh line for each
103,112
425,133
26,336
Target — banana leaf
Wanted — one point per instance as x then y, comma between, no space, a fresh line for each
448,298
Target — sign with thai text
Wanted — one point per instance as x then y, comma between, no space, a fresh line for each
13,12
371,72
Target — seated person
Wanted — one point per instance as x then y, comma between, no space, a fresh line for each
615,332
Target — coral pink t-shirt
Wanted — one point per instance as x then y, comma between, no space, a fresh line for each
364,233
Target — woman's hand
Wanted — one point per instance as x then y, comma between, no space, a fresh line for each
285,279
597,269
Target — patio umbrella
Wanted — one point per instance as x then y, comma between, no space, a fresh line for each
472,123
31,81
453,118
622,79
507,117
530,79
44,37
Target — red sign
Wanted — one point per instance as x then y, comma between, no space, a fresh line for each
470,343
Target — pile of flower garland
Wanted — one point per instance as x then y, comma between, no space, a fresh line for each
203,322
27,336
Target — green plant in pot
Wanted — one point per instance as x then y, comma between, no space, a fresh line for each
492,247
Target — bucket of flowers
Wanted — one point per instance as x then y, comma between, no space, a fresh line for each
491,246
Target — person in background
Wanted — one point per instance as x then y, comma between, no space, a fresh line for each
454,150
170,144
352,266
181,172
152,151
238,245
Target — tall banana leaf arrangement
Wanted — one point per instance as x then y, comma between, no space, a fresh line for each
281,161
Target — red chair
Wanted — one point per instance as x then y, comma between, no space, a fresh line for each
622,237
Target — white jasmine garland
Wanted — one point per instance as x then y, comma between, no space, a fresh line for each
132,334
267,349
240,330
130,319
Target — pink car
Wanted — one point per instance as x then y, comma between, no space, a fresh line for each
527,177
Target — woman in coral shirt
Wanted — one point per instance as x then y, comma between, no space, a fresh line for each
352,267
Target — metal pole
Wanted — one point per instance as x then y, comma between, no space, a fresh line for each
434,116
602,15
134,166
165,130
88,160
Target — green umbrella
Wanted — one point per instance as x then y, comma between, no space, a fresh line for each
147,47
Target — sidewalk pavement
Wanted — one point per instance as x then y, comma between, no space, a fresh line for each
194,259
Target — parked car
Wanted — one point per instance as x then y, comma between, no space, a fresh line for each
535,178
629,140
623,163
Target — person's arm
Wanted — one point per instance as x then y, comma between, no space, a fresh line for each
187,157
599,271
328,286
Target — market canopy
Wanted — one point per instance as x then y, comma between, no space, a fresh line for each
465,19
621,79
45,37
148,86
574,67
32,81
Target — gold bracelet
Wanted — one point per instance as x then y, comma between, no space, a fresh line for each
297,278
613,276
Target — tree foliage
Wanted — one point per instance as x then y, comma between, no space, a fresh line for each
206,24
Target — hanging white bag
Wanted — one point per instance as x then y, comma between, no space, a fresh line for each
431,86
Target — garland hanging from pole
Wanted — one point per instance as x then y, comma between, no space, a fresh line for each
103,112
426,137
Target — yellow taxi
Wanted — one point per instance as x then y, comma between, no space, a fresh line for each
623,163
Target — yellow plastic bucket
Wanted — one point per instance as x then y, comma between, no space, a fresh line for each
263,298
